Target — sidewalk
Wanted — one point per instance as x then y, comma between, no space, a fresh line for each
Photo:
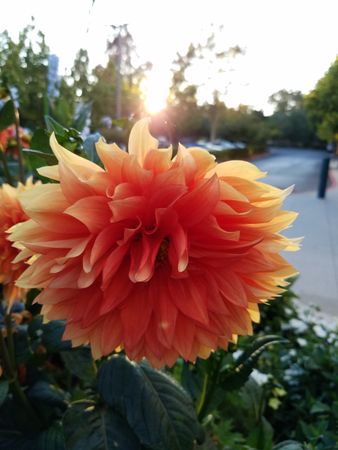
317,260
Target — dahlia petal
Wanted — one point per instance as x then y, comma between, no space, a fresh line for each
141,141
116,291
189,299
152,344
51,172
199,203
112,264
111,156
86,279
178,250
166,313
68,278
127,208
93,212
158,160
70,159
111,336
241,169
184,337
232,289
72,187
105,241
204,161
135,317
142,258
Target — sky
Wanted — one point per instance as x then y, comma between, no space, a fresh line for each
288,44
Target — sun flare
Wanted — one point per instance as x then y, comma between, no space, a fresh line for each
155,93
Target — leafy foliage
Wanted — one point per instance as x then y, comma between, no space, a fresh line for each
156,408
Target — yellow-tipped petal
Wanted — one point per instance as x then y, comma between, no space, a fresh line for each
70,159
241,169
51,172
141,141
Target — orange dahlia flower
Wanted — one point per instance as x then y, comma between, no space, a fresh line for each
11,213
161,257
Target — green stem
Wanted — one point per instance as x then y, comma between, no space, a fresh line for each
18,140
6,169
15,385
210,388
201,400
10,341
94,366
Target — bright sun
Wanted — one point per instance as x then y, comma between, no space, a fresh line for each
155,92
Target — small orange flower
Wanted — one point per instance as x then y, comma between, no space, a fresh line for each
161,257
8,141
11,213
5,135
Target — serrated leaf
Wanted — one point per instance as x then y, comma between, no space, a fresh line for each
4,386
7,115
156,408
79,362
90,427
288,445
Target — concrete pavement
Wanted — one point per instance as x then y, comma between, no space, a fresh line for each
317,261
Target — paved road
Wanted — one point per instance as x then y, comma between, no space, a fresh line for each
288,166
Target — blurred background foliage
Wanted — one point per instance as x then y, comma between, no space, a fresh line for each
107,97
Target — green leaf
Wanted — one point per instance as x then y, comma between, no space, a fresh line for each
156,408
288,445
4,386
79,362
262,435
40,141
49,158
319,408
207,445
48,394
23,350
51,439
48,334
7,115
54,126
88,426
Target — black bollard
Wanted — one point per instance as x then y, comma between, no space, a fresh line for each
324,175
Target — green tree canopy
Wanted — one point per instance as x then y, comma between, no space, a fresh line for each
322,104
290,122
24,65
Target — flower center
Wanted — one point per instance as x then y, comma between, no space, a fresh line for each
163,251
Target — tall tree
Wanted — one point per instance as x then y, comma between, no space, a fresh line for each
189,75
116,92
24,65
322,105
290,119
